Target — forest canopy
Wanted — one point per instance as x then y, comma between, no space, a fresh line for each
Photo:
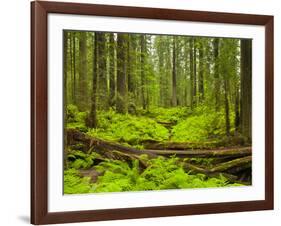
141,99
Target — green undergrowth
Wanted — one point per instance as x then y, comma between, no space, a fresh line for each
128,129
119,176
169,115
75,119
159,124
203,125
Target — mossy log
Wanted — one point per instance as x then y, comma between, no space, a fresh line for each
232,164
74,136
241,158
102,146
211,144
228,152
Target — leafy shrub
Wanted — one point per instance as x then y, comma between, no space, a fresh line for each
128,129
74,184
172,115
201,126
118,176
75,119
81,160
161,174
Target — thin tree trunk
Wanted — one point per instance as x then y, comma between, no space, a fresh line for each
74,85
216,74
111,70
143,55
121,74
194,73
174,75
226,105
201,73
237,110
92,121
191,66
82,101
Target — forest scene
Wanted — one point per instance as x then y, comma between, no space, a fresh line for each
147,112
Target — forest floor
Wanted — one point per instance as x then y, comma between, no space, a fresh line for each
153,150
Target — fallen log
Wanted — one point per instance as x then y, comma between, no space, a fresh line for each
113,150
238,169
197,169
228,152
105,146
211,144
102,146
232,164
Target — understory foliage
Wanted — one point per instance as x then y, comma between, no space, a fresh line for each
201,125
128,129
118,176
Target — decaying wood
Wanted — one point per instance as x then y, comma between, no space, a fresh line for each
237,159
105,146
222,167
92,173
230,152
212,144
231,164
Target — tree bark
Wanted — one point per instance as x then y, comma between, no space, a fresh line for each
92,120
195,72
201,72
102,80
191,66
74,85
121,102
143,73
82,96
174,75
212,153
216,74
246,88
112,79
226,107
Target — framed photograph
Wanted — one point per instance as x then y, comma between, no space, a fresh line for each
146,112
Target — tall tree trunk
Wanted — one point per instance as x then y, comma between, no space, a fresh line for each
129,65
74,85
92,120
121,105
191,67
201,72
161,72
226,106
143,73
71,67
111,70
133,65
82,100
216,74
195,72
237,110
174,75
102,79
246,88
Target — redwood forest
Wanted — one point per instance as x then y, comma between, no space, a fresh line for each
147,112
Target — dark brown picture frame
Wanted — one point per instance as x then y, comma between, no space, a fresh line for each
39,109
